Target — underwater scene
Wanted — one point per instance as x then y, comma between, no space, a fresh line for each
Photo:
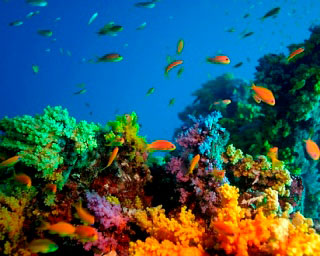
160,127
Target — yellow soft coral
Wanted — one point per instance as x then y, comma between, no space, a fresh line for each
271,234
11,221
259,170
179,235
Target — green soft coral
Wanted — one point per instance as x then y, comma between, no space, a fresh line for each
126,127
42,140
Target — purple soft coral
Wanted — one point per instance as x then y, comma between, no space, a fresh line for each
107,214
104,244
175,166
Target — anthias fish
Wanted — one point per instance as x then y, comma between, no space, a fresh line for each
110,57
193,163
180,46
149,5
38,3
10,162
161,145
173,64
62,228
312,149
45,32
295,53
42,246
23,179
220,59
272,13
263,94
113,156
83,214
110,29
86,233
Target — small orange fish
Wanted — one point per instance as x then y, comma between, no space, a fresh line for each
295,53
180,46
173,64
42,245
222,102
83,214
312,149
273,154
113,156
24,179
161,145
194,162
220,59
52,188
10,162
62,228
263,94
218,174
86,233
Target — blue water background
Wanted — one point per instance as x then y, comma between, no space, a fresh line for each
118,88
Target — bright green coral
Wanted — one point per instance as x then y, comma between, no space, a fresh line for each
42,141
124,131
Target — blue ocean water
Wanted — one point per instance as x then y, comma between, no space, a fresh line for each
118,88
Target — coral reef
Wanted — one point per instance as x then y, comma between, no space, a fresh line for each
256,128
204,198
207,138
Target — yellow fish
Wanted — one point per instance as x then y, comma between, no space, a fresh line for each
194,162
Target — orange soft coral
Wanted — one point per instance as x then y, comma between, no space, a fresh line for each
153,247
262,234
174,236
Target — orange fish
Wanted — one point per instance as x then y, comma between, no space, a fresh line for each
24,179
83,214
194,162
273,154
86,233
62,228
10,162
180,46
161,145
113,156
263,94
312,149
218,174
295,53
42,245
220,59
52,188
173,64
223,102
